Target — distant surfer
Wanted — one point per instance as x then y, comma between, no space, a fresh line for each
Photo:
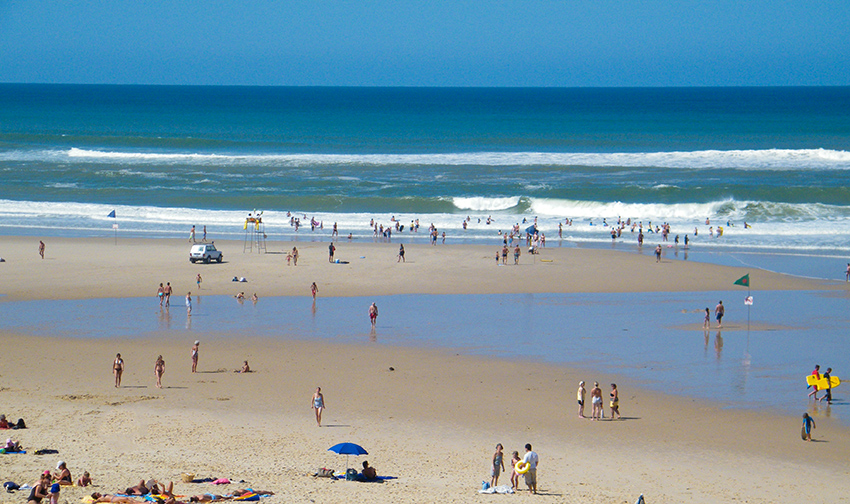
816,374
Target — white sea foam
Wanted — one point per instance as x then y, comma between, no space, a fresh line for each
767,159
479,204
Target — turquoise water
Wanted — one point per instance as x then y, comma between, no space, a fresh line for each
637,336
166,158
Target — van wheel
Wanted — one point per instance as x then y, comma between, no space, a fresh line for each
207,260
219,258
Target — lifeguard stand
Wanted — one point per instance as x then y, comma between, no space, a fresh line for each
255,233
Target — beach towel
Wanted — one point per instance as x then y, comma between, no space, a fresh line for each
220,481
248,497
3,451
501,489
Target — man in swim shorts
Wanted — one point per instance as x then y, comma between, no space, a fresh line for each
719,311
532,460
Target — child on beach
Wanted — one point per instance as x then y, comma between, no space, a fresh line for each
84,480
514,476
498,465
580,394
808,425
199,280
189,304
705,323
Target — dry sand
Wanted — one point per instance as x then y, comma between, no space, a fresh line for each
432,422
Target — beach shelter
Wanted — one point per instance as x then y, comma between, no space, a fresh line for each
348,449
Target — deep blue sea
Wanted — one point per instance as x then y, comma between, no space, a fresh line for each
165,158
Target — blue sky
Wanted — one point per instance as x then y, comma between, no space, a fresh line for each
427,43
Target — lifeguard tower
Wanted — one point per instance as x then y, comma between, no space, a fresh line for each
255,233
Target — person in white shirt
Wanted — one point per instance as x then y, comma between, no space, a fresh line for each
532,460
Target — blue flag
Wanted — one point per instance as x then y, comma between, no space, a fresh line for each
111,214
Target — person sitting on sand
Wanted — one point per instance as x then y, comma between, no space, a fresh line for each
63,475
369,473
245,368
39,490
12,446
84,480
98,497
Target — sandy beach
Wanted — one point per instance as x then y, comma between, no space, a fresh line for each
432,421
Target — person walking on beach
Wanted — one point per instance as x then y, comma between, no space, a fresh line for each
294,256
331,250
118,369
373,314
517,252
400,253
205,235
514,475
596,402
658,254
318,405
192,235
195,356
160,293
816,374
314,289
168,291
706,324
828,377
158,370
808,425
580,394
615,401
41,250
498,465
719,311
198,280
532,460
189,304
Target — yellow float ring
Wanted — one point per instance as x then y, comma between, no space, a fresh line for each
520,469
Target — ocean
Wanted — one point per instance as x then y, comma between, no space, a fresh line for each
166,158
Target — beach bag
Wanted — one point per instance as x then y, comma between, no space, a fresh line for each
325,473
485,485
351,474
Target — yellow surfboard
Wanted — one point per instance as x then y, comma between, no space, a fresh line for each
820,381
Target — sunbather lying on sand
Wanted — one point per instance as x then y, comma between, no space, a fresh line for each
140,489
233,495
114,498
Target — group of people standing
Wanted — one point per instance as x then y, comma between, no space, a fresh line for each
159,366
526,466
597,409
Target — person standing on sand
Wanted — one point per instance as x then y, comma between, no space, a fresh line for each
595,402
517,252
192,235
498,465
816,374
314,289
658,254
160,293
580,394
294,256
331,250
373,314
706,324
532,460
198,280
195,356
808,425
514,475
168,292
205,234
118,369
615,401
189,304
41,250
401,253
318,404
158,370
719,311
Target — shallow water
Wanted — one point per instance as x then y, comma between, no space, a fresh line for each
639,336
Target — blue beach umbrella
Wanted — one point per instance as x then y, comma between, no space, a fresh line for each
348,449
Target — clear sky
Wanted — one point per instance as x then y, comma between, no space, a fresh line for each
427,42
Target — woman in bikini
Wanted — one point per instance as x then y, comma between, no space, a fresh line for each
158,370
615,401
118,369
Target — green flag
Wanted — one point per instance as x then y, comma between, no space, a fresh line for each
744,280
